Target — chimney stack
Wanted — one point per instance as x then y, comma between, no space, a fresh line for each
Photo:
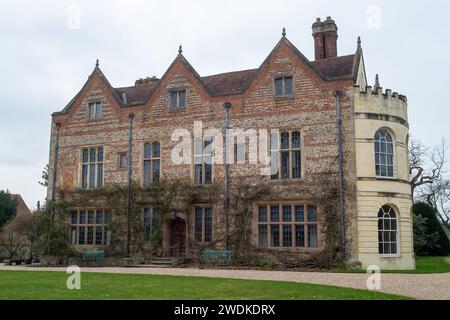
325,38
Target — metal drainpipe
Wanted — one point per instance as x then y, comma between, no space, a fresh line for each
338,94
227,108
130,139
55,168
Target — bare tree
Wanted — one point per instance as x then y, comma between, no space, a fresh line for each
429,180
426,166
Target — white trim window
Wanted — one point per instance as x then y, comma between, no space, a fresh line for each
384,154
285,150
152,163
387,231
92,168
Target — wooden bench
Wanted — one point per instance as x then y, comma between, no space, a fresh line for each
93,256
220,257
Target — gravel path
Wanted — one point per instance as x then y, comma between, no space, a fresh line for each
419,286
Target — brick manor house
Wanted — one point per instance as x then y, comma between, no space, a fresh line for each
89,149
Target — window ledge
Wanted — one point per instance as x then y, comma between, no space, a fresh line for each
386,178
390,256
283,98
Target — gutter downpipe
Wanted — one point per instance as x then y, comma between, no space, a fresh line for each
130,139
338,95
55,168
227,107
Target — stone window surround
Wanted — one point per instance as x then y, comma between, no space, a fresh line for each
143,159
91,101
278,75
302,154
203,206
395,145
398,222
281,203
77,225
186,100
80,169
203,164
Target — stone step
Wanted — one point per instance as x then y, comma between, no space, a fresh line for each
151,265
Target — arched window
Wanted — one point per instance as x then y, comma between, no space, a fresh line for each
384,154
387,231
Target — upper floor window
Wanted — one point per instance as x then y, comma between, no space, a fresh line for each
203,224
202,161
177,99
122,160
94,110
152,163
384,154
285,150
387,231
287,226
283,86
92,168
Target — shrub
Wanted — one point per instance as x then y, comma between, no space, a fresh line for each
430,238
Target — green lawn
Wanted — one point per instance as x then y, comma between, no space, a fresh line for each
427,265
52,285
423,265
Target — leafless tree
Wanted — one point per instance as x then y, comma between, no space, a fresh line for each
429,180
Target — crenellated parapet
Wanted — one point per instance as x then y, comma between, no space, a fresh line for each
378,102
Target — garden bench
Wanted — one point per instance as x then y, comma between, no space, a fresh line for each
221,257
93,256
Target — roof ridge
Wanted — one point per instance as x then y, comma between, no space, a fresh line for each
229,72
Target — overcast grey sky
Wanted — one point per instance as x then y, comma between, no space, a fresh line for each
49,49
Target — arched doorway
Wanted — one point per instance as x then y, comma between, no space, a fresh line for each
177,239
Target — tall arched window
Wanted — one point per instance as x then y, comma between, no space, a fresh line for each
387,231
384,154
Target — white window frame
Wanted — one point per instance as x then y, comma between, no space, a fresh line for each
397,233
394,166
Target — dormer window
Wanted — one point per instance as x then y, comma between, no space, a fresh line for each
94,110
177,99
283,86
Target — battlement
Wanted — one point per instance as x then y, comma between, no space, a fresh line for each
379,102
387,94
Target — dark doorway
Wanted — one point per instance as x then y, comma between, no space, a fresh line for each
177,237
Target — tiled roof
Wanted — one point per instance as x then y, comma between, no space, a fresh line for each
22,208
230,82
333,68
137,94
237,81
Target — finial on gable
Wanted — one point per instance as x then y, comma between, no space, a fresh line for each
180,49
283,33
377,83
359,42
97,63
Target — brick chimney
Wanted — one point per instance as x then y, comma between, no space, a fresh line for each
325,38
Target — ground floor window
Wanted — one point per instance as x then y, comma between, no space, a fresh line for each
287,226
152,223
203,224
387,231
90,227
